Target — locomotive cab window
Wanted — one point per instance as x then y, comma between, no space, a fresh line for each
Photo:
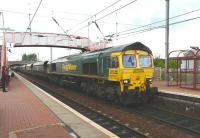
114,62
129,61
145,61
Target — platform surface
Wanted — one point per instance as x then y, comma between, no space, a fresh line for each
47,131
162,87
20,110
26,111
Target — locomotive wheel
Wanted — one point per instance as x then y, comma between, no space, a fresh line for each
83,86
94,88
97,92
101,92
123,101
116,99
89,87
111,95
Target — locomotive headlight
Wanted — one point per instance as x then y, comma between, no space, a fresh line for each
149,80
126,81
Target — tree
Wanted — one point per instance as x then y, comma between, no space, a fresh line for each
29,57
159,62
172,64
24,57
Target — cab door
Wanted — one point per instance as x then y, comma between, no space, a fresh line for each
114,74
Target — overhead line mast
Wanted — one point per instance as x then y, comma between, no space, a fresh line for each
32,20
167,40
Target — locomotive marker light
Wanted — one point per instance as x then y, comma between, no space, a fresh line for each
126,81
149,81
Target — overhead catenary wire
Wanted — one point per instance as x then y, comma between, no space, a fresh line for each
99,29
95,14
106,15
31,20
74,13
150,24
59,25
160,21
116,10
155,27
15,12
121,8
63,18
65,31
141,25
39,15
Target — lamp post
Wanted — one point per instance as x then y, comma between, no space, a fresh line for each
3,58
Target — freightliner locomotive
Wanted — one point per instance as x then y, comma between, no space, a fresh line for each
120,74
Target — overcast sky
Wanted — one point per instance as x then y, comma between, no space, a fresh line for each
71,13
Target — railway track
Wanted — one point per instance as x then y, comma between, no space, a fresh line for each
184,103
179,98
114,126
191,125
181,121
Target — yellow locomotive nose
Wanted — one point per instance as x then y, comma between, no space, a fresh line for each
132,79
139,81
137,78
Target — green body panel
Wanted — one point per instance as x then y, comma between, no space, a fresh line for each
72,66
96,60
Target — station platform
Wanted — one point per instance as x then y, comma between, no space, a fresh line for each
26,111
162,87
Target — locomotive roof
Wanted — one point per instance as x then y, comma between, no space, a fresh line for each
131,46
108,50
